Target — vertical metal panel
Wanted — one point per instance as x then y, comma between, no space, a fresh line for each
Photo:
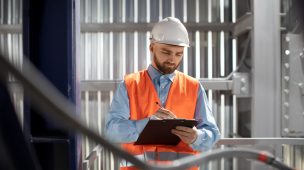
292,85
203,11
203,55
197,55
190,10
1,11
293,155
177,10
266,70
111,55
222,54
191,56
266,76
105,11
154,8
142,8
11,46
142,58
233,60
130,10
166,8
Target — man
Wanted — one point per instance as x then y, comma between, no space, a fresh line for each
162,92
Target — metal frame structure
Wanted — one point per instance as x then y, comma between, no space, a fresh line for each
49,39
292,85
5,29
109,85
243,24
266,77
144,27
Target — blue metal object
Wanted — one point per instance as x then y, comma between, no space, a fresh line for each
48,32
15,151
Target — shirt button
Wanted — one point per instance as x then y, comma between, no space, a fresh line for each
162,87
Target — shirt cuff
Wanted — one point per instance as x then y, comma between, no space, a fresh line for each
197,143
140,124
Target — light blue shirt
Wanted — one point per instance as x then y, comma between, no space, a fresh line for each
122,130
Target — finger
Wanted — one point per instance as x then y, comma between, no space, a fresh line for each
183,138
177,134
154,117
167,112
164,116
182,133
161,114
160,117
172,115
186,129
187,139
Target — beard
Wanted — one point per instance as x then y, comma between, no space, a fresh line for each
166,67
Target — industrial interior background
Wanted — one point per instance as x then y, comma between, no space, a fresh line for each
248,54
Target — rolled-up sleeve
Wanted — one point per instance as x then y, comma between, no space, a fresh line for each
208,132
118,127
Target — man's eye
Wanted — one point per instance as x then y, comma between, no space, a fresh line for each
166,53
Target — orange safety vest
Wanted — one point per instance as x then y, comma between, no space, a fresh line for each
181,101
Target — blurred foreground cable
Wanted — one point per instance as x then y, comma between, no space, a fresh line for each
51,103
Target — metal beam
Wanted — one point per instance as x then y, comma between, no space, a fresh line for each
243,24
266,70
109,85
5,28
216,84
99,85
143,27
129,27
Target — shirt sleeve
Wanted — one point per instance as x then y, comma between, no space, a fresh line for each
119,128
208,132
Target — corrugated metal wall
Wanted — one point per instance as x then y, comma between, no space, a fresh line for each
11,45
111,55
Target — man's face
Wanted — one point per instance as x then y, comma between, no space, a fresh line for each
166,58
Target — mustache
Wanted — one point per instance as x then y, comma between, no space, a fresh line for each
169,63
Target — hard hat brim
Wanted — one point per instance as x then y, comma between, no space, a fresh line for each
171,43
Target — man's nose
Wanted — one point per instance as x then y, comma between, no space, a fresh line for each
172,56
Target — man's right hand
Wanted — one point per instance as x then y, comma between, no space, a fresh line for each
163,113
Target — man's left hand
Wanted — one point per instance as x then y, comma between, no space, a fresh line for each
186,134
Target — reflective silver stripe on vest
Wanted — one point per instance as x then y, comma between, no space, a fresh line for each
124,163
156,156
165,156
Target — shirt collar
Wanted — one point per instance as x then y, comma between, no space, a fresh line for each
155,74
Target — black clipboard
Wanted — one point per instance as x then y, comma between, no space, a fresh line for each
158,132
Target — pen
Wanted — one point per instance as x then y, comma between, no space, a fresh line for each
171,116
160,105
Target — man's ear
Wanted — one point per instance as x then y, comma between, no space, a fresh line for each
151,47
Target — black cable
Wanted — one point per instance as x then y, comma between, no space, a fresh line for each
244,55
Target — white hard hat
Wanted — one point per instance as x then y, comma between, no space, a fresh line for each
170,31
